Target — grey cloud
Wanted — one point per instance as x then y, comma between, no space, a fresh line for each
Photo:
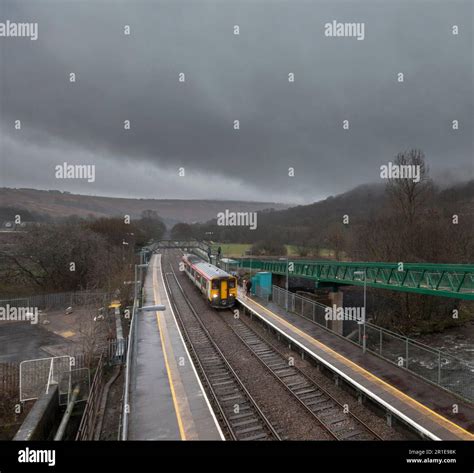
227,77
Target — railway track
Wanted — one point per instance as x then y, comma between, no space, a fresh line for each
330,413
237,410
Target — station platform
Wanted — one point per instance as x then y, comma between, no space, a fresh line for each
167,400
425,407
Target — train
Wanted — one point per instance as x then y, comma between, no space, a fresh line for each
217,286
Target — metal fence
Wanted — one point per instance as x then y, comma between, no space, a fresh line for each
89,417
34,376
441,368
9,378
300,305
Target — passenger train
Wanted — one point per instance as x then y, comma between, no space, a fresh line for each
219,287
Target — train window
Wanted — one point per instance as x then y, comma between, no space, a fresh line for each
215,284
231,283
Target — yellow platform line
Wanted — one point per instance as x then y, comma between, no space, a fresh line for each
168,371
449,425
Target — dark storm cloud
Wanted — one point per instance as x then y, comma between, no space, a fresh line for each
231,78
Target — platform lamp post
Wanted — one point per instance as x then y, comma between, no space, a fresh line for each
138,281
363,273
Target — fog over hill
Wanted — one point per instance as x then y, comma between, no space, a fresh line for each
360,203
355,216
364,202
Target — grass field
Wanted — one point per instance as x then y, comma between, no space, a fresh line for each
232,250
237,250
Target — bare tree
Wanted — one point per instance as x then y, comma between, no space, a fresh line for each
59,257
408,195
335,237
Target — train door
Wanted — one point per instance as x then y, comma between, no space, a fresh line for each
224,289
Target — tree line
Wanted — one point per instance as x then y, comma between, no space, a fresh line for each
76,254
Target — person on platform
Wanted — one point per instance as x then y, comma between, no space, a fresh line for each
248,287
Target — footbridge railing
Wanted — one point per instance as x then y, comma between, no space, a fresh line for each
447,280
158,245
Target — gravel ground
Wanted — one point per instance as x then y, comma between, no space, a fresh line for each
287,415
112,414
376,423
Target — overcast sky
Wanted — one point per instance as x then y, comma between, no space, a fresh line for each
227,78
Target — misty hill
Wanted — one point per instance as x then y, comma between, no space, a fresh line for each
361,201
322,222
54,204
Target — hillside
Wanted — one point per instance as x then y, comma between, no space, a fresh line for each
361,201
55,204
373,227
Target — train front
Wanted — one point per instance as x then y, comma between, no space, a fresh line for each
223,292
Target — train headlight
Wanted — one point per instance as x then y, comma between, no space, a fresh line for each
215,296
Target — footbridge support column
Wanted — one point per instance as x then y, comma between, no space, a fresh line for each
336,299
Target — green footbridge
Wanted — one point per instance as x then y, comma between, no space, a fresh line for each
447,280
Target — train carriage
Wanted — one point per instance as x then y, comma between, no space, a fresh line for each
218,286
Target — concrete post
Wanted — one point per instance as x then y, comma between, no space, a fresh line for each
336,299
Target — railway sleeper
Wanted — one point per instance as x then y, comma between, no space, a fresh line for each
249,429
257,437
274,360
220,371
271,354
245,422
232,397
322,399
307,390
337,420
350,435
284,372
222,391
217,378
241,416
322,408
309,396
294,384
223,383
